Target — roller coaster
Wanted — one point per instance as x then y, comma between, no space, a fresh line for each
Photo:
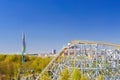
92,58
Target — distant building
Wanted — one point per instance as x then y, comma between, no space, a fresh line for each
46,55
43,55
33,54
53,51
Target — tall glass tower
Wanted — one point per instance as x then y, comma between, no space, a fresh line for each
23,46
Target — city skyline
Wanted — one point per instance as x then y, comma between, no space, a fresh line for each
52,24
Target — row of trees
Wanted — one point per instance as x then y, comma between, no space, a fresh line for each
10,65
75,75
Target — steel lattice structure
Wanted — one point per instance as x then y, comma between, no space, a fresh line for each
93,58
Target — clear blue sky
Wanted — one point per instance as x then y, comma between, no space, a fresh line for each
51,24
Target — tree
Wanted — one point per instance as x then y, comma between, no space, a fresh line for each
10,69
64,75
45,76
2,57
76,75
3,68
10,64
84,77
100,77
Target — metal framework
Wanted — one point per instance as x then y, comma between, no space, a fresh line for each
92,58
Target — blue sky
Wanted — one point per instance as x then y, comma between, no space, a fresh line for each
50,24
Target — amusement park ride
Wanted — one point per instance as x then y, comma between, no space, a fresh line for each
92,58
105,56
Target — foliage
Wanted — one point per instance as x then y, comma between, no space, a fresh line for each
10,65
76,75
64,75
2,57
45,77
84,77
100,77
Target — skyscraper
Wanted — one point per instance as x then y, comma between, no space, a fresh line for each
53,51
23,46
